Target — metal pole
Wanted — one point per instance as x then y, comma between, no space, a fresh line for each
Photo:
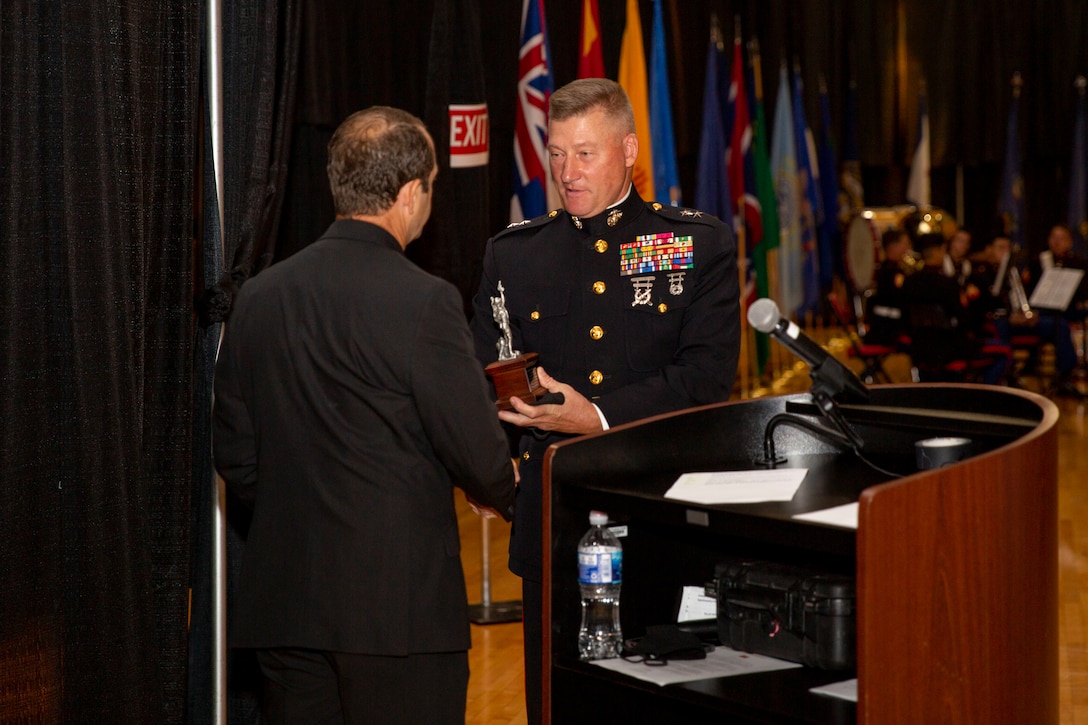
219,519
487,612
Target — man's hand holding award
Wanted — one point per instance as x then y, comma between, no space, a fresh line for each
514,373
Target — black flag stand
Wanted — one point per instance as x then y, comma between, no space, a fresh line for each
488,612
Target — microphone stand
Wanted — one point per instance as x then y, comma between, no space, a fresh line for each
823,395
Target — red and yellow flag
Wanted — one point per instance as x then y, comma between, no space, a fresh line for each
633,79
590,58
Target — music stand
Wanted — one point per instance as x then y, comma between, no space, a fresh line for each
1055,292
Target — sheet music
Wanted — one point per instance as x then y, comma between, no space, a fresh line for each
1056,288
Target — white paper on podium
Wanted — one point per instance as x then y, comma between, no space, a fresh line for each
696,606
755,486
845,690
1056,288
722,662
845,516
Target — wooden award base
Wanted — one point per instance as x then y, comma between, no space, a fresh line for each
515,377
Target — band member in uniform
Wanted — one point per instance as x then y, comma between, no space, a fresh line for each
884,310
1059,253
632,306
957,262
1057,323
945,323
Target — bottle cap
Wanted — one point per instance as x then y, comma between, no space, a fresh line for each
598,518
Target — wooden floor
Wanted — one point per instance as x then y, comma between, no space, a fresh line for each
495,694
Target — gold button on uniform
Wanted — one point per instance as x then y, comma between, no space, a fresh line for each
596,377
596,332
525,456
598,288
662,308
601,246
534,315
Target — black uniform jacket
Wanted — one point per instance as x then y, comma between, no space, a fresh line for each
641,316
348,402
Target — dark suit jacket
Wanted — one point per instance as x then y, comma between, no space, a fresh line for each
619,312
348,402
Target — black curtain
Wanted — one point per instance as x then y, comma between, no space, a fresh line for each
452,244
259,44
97,108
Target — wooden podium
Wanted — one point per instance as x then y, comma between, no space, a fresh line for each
956,568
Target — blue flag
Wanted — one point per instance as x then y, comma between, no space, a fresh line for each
1078,178
711,182
1011,205
530,198
808,179
666,177
787,193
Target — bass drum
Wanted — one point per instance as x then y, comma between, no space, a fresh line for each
863,251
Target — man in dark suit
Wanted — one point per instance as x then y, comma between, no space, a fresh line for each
632,306
348,403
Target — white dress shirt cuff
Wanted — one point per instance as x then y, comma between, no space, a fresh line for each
604,422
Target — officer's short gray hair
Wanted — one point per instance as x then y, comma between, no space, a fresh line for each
579,97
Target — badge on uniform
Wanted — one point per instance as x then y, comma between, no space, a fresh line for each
651,253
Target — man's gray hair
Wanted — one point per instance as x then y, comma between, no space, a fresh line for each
579,97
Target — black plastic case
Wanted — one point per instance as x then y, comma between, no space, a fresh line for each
787,612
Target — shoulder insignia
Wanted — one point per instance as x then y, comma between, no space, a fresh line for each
683,214
529,223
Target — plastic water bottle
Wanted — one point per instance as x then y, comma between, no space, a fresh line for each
600,573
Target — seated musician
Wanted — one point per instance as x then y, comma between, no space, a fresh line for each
995,277
957,262
884,310
1059,253
945,325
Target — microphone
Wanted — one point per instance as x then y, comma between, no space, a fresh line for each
827,372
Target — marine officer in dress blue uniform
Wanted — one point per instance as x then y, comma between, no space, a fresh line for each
633,308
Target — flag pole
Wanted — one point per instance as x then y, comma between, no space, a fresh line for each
742,249
218,500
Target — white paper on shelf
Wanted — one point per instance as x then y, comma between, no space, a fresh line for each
722,662
845,516
753,486
696,606
845,690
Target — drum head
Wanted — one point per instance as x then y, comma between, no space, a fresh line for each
862,247
863,252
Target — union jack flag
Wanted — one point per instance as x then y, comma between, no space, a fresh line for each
530,198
